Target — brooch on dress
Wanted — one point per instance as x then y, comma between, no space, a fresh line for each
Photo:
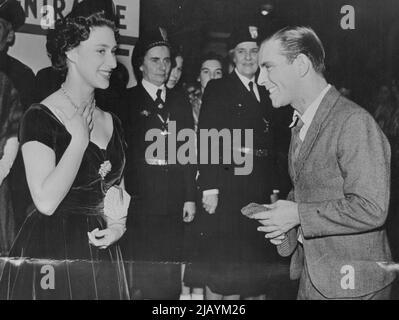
105,168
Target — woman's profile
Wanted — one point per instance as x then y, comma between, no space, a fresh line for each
73,154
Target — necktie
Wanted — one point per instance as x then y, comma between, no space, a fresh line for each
296,146
251,90
158,101
296,141
160,104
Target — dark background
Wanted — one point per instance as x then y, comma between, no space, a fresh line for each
359,59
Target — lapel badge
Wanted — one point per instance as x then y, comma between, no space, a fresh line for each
145,113
267,125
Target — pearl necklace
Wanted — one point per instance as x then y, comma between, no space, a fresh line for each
76,107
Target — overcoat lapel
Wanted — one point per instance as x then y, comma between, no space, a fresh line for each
146,100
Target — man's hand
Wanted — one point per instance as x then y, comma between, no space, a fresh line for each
210,202
281,217
389,266
188,211
278,240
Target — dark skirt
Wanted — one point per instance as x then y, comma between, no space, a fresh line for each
236,258
196,245
153,247
7,233
51,258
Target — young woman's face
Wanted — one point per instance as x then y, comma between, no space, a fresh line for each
175,73
94,58
210,69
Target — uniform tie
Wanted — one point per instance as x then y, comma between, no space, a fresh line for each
158,101
251,90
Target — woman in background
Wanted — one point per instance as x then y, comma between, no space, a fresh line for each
11,111
210,68
73,154
176,71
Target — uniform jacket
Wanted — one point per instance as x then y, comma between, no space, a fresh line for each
160,189
227,104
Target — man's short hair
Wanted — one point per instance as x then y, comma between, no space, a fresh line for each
296,40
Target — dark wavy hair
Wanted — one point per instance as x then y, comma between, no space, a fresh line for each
68,33
211,55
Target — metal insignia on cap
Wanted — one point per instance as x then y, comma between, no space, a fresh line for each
253,32
164,34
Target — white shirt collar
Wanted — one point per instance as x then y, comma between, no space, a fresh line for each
152,89
309,114
245,81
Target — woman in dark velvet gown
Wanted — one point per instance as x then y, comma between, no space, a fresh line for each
73,153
